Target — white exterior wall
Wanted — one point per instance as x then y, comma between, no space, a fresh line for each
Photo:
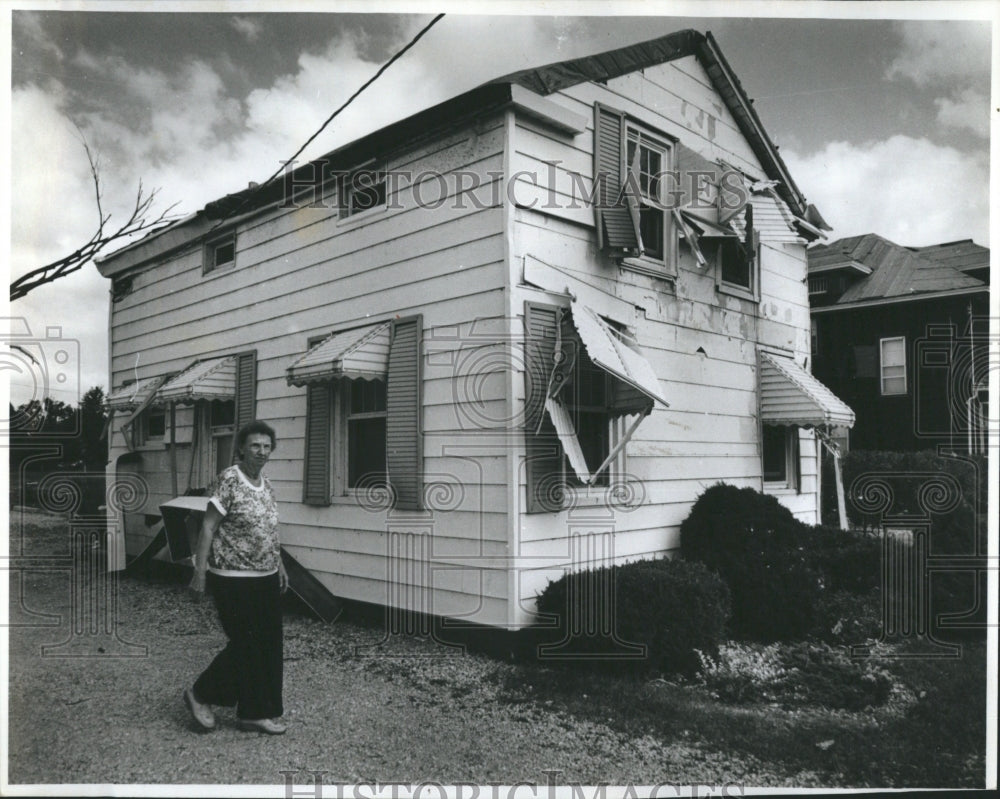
303,273
711,431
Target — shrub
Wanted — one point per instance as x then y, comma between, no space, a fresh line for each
820,674
672,607
844,617
795,674
847,560
762,552
956,511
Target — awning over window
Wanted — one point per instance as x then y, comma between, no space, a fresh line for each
359,353
212,379
789,395
134,394
609,350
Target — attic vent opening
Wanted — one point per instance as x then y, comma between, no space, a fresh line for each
219,253
121,287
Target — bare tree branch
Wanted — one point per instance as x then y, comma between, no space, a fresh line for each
82,255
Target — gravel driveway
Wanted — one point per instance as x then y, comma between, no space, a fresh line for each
358,708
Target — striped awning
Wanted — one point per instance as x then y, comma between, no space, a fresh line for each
132,395
359,353
609,350
211,379
789,395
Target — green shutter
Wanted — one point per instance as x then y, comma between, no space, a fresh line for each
404,451
542,449
316,480
617,225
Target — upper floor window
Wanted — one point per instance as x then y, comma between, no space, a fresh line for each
362,190
219,253
630,163
892,365
646,159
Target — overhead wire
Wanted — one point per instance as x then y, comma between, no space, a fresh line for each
420,34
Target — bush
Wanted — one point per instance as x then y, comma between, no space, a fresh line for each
796,674
672,607
847,560
762,552
954,504
843,617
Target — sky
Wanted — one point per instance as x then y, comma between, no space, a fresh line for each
883,121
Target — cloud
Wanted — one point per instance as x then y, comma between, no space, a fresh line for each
249,28
937,53
910,190
969,111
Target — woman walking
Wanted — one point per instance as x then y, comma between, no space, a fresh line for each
240,551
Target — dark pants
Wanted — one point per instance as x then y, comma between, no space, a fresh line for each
248,672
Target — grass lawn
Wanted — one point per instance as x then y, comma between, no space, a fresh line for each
930,732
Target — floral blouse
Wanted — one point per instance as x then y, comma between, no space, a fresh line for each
247,537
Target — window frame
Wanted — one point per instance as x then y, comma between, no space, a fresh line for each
882,367
546,448
347,189
751,292
791,454
666,266
341,416
209,266
325,474
149,438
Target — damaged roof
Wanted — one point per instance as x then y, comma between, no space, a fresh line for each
896,271
498,93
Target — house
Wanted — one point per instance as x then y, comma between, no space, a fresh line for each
901,334
485,366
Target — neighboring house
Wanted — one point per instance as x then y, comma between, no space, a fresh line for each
484,367
901,334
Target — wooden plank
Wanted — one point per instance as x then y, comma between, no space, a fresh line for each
311,591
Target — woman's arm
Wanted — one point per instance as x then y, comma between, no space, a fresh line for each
208,527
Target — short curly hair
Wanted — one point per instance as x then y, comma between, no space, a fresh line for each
256,426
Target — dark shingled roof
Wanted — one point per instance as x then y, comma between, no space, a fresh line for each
897,271
963,255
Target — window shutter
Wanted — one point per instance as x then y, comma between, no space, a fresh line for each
246,388
404,453
617,225
316,480
542,449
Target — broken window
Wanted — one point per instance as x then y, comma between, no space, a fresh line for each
630,162
585,377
